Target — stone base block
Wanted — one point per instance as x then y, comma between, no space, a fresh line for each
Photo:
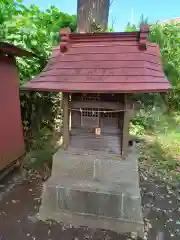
111,200
113,211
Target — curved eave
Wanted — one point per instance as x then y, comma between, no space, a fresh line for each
10,49
110,88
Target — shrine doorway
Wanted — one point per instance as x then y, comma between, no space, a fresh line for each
96,128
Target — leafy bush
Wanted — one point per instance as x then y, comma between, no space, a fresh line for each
32,29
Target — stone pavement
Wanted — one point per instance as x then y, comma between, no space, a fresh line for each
97,191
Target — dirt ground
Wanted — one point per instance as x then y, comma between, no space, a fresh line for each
19,203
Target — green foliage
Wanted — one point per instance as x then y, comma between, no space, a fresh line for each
34,30
133,28
130,28
38,111
167,36
159,149
147,118
95,28
38,160
137,128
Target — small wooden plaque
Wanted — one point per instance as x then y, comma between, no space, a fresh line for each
98,131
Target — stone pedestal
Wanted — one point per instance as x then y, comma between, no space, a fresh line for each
94,190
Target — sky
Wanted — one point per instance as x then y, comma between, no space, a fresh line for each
121,10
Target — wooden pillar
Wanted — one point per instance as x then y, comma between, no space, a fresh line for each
65,120
125,136
127,118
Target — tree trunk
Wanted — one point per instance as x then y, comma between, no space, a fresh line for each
90,13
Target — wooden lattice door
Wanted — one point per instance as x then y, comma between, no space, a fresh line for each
89,119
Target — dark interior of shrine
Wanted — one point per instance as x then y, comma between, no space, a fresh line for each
97,122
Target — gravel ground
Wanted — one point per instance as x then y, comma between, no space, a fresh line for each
19,203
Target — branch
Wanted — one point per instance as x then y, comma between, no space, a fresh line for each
113,22
111,2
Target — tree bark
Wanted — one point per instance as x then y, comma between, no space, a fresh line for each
91,12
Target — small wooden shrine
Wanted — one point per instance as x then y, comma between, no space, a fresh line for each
90,184
96,72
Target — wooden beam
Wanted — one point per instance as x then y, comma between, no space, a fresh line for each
97,104
125,135
65,120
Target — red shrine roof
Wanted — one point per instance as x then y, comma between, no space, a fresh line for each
10,49
103,62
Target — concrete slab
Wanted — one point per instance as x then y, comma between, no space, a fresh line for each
94,189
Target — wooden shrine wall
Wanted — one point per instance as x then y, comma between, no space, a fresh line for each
95,113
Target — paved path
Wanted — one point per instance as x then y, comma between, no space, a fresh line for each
19,205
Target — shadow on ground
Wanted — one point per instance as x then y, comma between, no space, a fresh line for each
19,203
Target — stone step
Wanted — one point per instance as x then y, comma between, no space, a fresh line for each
116,173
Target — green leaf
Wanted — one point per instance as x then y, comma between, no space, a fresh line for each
34,42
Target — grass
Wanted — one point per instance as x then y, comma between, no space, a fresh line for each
160,149
38,159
